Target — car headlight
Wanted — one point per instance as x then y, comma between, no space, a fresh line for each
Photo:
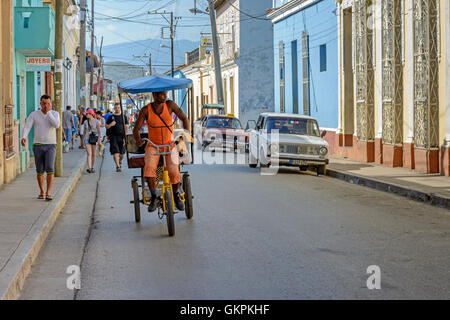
323,151
273,148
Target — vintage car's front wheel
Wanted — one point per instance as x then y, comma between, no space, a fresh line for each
263,161
252,162
321,170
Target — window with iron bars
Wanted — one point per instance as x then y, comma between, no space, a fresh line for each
8,141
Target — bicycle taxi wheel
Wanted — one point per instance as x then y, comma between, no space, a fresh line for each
136,201
188,210
169,213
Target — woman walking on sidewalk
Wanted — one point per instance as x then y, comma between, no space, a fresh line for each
102,130
92,138
45,122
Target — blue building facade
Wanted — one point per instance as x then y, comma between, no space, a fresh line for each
180,95
306,60
255,61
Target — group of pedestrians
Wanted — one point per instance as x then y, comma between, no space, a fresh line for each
96,128
93,127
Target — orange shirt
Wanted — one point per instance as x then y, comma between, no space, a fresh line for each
158,133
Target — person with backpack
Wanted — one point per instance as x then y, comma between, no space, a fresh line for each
116,130
92,138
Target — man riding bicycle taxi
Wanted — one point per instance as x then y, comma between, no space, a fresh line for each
158,116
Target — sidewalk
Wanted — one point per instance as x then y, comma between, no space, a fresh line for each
430,188
25,221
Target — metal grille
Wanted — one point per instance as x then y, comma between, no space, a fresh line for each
302,149
392,74
8,141
426,115
364,72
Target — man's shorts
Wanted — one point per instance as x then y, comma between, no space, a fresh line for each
44,157
172,163
116,144
68,133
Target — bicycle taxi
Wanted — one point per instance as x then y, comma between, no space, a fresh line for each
135,154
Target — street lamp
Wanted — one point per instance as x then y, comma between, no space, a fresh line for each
196,10
67,64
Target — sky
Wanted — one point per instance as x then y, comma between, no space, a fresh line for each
134,23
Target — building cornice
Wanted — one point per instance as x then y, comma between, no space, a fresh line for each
288,9
218,3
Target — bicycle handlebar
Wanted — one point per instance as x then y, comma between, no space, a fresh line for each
158,147
162,145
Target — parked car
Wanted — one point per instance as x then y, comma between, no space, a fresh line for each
220,131
299,144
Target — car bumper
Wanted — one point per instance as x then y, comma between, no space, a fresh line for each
297,160
225,144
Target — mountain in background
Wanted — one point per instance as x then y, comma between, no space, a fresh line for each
131,53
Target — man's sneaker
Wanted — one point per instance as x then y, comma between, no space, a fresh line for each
153,205
178,202
118,169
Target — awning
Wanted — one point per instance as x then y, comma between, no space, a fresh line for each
153,84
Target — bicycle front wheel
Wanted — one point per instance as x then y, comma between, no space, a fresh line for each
169,213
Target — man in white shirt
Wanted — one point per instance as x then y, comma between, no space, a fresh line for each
45,122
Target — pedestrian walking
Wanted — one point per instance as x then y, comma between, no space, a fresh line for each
68,124
82,119
45,122
75,128
102,124
91,134
102,130
117,127
107,114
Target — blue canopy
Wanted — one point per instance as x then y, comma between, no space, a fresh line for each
153,84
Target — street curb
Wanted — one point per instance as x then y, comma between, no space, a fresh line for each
428,198
19,265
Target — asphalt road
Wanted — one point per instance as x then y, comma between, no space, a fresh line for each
288,236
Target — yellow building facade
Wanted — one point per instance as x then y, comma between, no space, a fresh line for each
394,83
7,142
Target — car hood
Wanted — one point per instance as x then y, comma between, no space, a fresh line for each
301,139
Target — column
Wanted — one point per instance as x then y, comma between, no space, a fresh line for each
378,82
446,56
408,143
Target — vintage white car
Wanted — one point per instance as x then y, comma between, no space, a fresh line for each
220,132
287,140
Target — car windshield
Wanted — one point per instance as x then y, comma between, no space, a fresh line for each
231,123
302,126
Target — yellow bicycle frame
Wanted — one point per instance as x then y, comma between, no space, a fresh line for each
166,185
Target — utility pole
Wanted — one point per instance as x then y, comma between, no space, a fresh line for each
171,49
143,61
59,8
91,91
217,67
100,80
83,51
150,64
172,36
